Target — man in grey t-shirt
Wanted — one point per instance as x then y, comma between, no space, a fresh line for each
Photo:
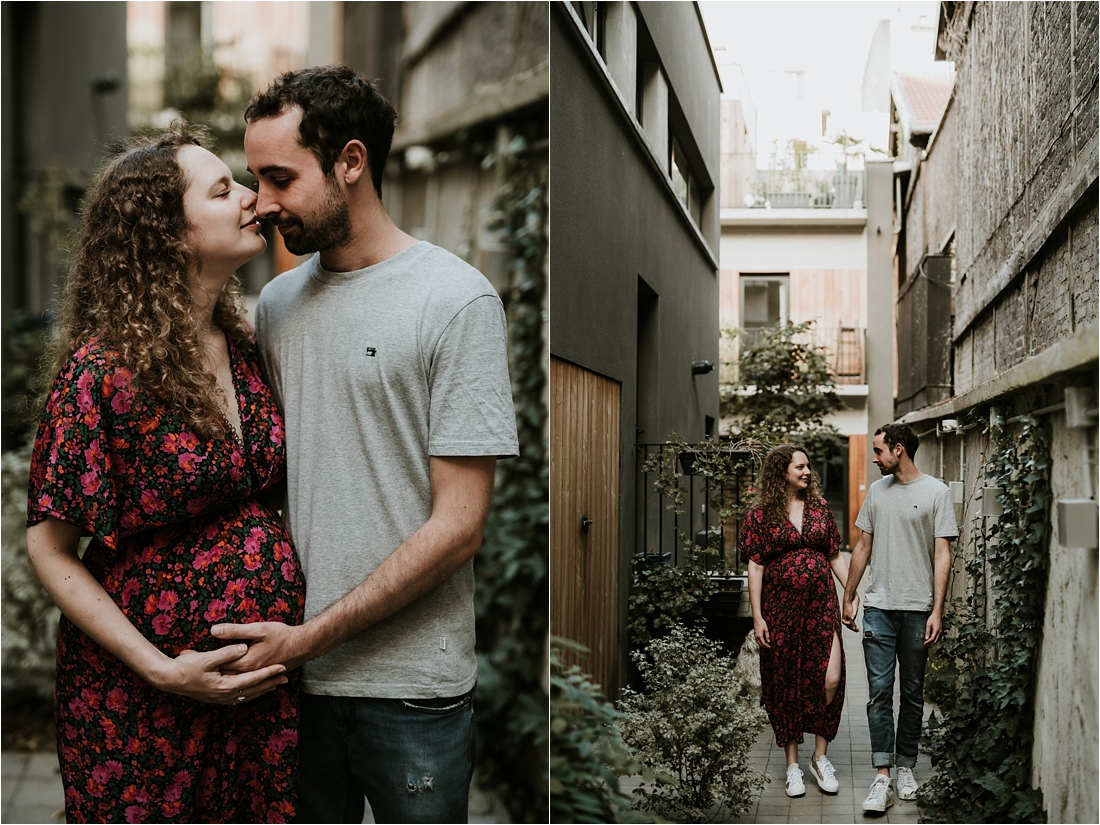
909,520
389,358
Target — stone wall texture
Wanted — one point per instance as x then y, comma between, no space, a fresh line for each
1014,170
1026,113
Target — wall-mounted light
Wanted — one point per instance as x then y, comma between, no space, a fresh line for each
700,367
948,425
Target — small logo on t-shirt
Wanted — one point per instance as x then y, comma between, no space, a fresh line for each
372,351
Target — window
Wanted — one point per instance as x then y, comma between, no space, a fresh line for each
684,183
765,302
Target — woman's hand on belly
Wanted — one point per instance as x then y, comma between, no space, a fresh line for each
199,676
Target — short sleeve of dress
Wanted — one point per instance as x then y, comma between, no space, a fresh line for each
751,541
70,472
832,533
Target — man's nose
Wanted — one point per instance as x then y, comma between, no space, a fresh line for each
265,204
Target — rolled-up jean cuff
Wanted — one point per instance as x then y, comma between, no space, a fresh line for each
903,761
882,760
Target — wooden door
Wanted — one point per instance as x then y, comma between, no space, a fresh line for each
584,516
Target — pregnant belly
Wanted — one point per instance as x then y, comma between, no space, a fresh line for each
175,583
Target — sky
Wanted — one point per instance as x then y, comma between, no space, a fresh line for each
829,43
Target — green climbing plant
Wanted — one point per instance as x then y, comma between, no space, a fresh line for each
985,667
512,566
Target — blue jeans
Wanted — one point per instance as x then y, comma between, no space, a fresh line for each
412,759
891,636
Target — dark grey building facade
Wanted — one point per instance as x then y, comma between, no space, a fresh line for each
634,116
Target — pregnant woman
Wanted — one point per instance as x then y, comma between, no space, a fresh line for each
792,545
159,440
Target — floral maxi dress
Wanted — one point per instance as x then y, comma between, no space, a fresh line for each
799,603
180,542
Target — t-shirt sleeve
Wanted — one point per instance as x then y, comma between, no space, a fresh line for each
70,473
471,394
865,521
946,526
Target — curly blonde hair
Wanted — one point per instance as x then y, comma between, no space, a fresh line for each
773,483
131,278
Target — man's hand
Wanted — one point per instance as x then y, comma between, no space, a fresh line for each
933,631
206,677
849,613
269,643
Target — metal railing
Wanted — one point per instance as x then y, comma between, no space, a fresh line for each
666,535
808,189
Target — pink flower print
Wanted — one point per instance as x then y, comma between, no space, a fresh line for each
167,600
235,589
90,482
114,769
252,543
136,813
100,775
94,788
216,611
122,378
91,698
133,745
93,454
288,570
86,381
189,441
278,435
254,383
162,623
122,402
150,501
116,699
171,443
189,462
252,561
45,502
83,400
130,520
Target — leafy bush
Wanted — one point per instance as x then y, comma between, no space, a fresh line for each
27,612
587,754
984,674
691,728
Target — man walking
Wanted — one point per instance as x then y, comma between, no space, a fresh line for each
909,520
389,358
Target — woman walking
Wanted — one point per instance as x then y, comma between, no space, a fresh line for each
792,545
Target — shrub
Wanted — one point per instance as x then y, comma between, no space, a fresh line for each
691,727
587,754
28,615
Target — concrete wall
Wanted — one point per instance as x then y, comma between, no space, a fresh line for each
58,111
620,238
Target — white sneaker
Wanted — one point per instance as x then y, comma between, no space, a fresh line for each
881,797
795,787
825,774
907,784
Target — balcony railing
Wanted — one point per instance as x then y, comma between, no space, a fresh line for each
808,189
844,346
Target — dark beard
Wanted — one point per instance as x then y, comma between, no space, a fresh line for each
329,226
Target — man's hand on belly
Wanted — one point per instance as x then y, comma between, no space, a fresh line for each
268,643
